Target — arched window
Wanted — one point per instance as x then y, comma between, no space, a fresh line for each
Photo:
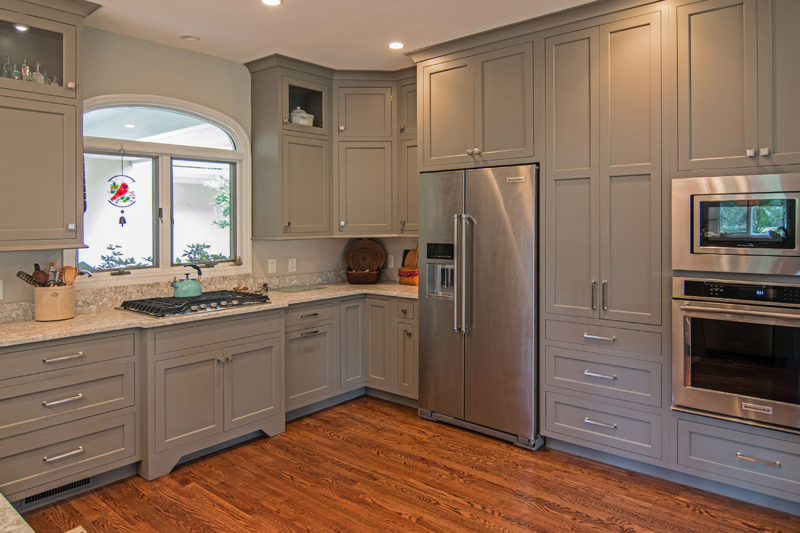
167,183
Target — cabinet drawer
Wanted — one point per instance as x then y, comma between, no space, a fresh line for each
65,395
616,427
625,340
405,309
299,316
170,339
605,375
772,463
61,451
43,357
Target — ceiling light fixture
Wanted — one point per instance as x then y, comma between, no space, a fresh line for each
130,125
21,27
396,45
271,2
191,38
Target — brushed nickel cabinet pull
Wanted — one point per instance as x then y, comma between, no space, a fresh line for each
309,333
603,294
591,422
743,457
763,151
309,315
594,299
79,450
590,337
63,358
75,398
591,374
750,152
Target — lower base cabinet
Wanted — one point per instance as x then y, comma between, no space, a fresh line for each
392,346
312,365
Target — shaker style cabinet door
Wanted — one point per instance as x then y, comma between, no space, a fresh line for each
351,344
38,148
380,371
408,187
305,177
365,187
365,112
311,365
407,110
252,382
407,345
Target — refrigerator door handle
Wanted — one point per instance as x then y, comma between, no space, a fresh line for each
465,219
455,272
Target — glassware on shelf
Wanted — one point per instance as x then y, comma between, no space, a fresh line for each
47,80
25,70
5,72
55,81
15,73
37,75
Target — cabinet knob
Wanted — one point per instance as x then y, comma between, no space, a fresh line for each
402,128
71,85
341,224
221,360
763,151
408,333
341,128
403,223
72,226
286,121
469,151
288,223
476,150
751,152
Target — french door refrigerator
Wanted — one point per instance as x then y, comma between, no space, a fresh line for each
477,246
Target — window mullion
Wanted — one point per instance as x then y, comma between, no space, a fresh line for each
165,203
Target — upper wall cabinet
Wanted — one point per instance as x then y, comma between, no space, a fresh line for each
737,86
365,112
407,109
478,109
305,105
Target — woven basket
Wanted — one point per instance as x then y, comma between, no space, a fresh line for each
362,276
408,276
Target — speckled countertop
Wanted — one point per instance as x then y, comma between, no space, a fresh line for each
10,521
13,333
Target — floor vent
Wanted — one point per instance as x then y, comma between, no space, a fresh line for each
58,490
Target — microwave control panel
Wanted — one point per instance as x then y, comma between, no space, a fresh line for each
749,292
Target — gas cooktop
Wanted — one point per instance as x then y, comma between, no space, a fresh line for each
206,302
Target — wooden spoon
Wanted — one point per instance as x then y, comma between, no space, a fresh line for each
68,275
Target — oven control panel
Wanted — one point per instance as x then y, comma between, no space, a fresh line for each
778,294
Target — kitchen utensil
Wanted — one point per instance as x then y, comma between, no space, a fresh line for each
411,259
27,278
68,274
40,275
187,287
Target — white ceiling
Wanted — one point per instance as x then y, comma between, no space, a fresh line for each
341,34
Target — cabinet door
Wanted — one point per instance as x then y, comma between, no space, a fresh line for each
630,170
188,402
407,110
504,103
38,151
571,174
365,112
351,344
252,382
717,73
306,185
407,346
380,370
408,187
365,187
779,82
448,116
311,366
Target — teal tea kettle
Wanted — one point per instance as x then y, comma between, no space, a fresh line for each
185,288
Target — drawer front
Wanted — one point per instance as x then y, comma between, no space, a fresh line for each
308,314
645,343
170,339
617,427
66,395
44,357
405,309
62,451
772,463
605,375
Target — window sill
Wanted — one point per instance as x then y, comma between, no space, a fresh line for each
141,277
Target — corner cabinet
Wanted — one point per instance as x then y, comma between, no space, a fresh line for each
603,172
737,105
40,126
392,346
478,109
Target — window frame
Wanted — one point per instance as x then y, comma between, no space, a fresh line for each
240,157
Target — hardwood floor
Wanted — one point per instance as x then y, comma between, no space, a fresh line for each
369,465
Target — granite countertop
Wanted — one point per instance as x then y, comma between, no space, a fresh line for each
14,333
10,520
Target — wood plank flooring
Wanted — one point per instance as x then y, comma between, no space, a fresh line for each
369,465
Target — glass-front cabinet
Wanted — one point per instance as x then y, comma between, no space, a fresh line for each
37,55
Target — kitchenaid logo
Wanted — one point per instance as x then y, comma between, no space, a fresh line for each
516,179
757,408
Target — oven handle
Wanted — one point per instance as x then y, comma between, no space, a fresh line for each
732,311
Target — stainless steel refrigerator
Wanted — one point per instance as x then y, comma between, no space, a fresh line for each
477,247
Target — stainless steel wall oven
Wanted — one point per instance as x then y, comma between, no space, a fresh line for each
736,349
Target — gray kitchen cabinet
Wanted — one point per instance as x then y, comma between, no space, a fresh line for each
312,96
407,345
252,383
380,372
602,173
407,109
40,128
365,112
364,185
305,185
312,365
736,88
478,109
407,187
351,344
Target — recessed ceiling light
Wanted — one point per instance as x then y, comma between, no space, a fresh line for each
271,2
190,38
396,45
21,27
130,125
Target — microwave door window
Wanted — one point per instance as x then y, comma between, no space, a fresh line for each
757,360
748,223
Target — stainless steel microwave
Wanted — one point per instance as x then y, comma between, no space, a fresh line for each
744,224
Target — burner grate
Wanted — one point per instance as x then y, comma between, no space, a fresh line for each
209,301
